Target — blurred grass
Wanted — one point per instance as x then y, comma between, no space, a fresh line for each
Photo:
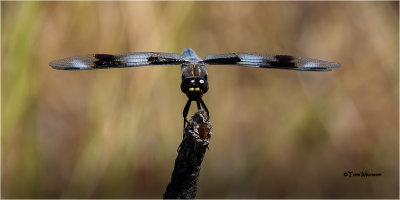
114,133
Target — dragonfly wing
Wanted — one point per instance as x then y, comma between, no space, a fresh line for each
270,61
103,61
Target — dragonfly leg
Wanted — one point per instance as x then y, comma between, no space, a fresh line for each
198,105
185,112
205,107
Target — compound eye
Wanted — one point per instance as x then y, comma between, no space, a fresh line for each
201,81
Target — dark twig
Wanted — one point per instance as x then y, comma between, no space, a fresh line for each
192,149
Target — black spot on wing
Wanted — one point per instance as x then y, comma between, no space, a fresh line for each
106,60
223,61
282,61
70,68
159,60
283,57
315,69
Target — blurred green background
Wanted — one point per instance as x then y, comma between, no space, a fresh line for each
276,134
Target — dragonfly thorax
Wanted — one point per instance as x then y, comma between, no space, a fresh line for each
194,87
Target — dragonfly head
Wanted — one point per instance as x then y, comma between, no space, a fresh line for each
194,87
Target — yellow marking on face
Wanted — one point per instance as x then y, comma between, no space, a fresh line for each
197,89
191,89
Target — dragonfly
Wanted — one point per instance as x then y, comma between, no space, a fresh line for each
193,68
